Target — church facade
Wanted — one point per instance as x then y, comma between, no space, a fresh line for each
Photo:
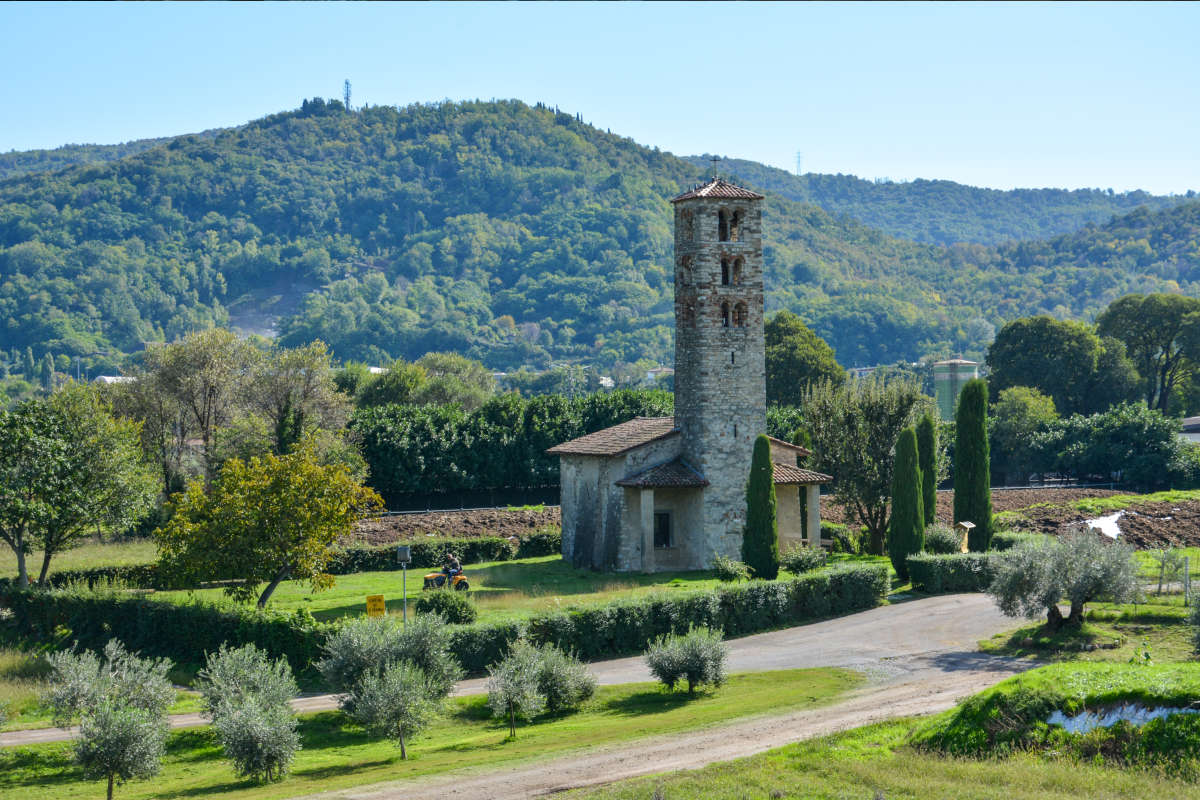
668,493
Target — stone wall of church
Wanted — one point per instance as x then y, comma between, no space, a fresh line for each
720,374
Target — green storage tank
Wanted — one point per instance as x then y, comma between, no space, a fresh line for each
949,377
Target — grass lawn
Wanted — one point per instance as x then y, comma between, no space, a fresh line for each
337,754
90,554
503,590
1159,626
876,762
22,681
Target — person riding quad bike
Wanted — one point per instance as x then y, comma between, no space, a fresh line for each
451,575
451,566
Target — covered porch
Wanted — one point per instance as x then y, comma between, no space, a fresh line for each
792,484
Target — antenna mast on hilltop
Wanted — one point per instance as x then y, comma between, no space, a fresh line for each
799,163
346,93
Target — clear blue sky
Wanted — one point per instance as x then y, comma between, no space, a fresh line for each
1072,95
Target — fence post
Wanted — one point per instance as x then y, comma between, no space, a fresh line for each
1187,581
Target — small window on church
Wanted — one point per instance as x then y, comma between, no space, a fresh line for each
724,315
725,272
722,226
735,275
735,226
662,529
739,315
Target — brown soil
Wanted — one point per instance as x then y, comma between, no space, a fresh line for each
1144,525
456,524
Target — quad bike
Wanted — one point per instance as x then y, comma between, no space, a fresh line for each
437,580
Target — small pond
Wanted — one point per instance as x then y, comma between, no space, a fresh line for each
1133,713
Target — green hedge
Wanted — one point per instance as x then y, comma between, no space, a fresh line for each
185,632
426,553
955,572
1007,540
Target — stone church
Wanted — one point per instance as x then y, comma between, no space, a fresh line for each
668,493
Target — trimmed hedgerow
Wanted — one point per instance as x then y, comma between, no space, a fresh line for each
426,553
953,572
185,632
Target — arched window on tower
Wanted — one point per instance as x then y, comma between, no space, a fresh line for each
685,218
735,275
685,269
724,315
725,274
722,226
740,312
735,226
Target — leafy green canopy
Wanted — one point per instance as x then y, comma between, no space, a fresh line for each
508,233
796,358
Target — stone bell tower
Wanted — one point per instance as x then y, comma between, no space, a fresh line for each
720,375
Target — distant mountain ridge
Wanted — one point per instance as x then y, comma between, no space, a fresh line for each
515,234
26,162
944,212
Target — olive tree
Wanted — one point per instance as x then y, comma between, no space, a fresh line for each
512,685
120,701
697,657
1078,566
395,701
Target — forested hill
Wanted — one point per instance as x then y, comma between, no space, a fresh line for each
25,162
945,212
510,233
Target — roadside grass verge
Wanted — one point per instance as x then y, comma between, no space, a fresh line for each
876,761
1160,627
336,754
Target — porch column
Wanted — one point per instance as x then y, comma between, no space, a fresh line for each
814,514
647,525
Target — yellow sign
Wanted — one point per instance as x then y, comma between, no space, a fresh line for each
375,605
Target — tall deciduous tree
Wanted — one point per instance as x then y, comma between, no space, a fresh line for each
972,479
47,375
906,531
166,426
1018,417
264,521
99,482
853,429
294,391
760,543
30,451
796,358
929,451
205,373
1153,328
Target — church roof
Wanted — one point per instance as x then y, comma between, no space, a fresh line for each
718,189
675,474
619,438
790,474
799,448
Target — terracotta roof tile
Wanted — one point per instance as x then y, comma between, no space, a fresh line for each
618,438
799,448
672,474
718,189
788,474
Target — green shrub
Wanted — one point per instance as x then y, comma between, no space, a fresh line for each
236,675
544,542
955,572
941,539
367,644
802,558
454,607
1007,540
563,680
697,657
842,538
730,571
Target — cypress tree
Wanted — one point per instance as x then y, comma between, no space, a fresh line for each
972,479
760,543
906,530
30,364
927,450
48,372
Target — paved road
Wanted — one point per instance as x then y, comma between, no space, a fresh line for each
888,643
